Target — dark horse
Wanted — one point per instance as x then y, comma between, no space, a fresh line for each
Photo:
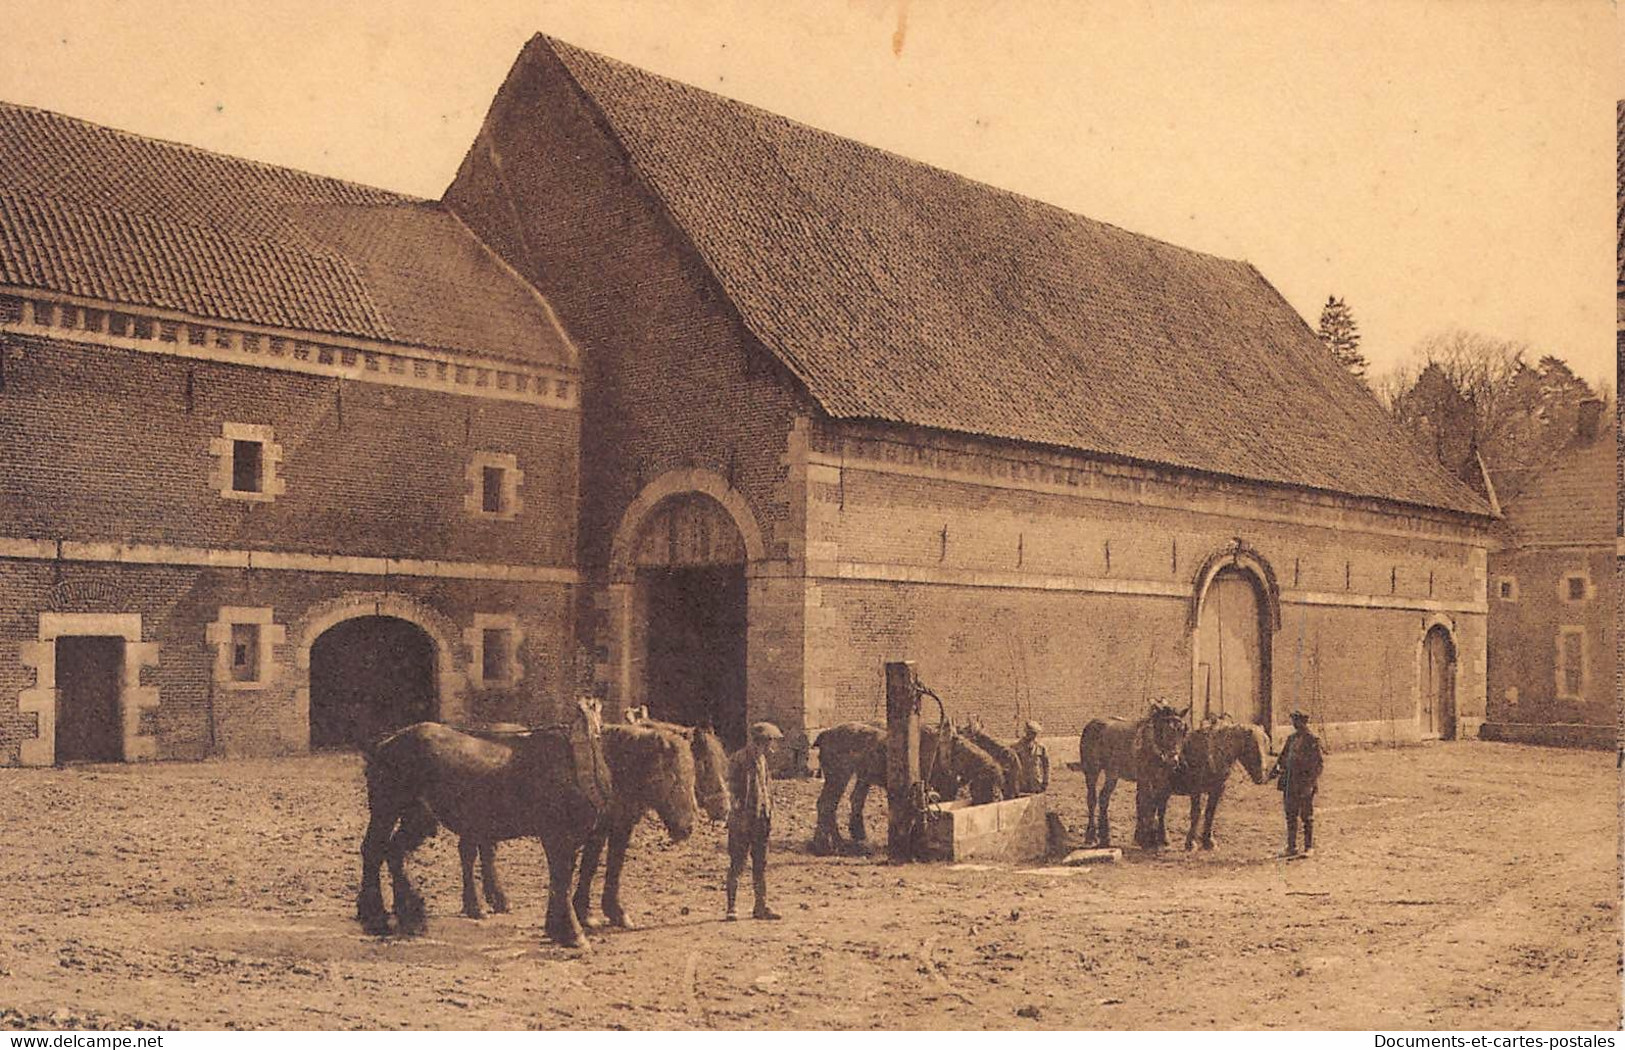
1003,754
647,775
551,783
857,751
1203,769
1125,750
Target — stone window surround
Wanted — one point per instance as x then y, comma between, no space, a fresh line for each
40,699
474,637
218,634
221,449
1512,596
1563,587
1563,633
512,478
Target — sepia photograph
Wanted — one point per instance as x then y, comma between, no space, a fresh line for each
831,515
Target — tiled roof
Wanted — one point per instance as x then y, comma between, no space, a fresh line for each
900,292
89,211
1568,503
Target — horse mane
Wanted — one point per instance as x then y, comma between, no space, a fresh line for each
657,754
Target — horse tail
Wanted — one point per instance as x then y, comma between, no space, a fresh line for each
418,823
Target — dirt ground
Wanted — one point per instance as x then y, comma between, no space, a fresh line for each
1456,886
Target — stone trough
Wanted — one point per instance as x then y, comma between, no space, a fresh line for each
1011,832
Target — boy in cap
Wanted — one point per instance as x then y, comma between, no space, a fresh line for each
750,815
1298,766
1034,761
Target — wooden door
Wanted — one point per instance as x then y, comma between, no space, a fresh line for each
1438,715
89,679
1233,667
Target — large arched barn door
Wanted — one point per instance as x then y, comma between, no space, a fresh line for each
1232,663
368,676
1438,714
691,606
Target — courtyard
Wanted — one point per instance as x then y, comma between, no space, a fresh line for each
1461,885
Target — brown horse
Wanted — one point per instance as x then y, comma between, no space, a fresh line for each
857,751
1203,769
1003,754
646,776
1124,750
552,784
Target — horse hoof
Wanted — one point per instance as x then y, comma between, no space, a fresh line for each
473,913
499,906
376,926
1207,844
859,849
412,927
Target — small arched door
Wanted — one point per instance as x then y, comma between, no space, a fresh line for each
368,676
1232,662
1438,714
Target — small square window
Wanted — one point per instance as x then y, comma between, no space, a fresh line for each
247,466
492,485
245,652
1576,588
1506,590
496,654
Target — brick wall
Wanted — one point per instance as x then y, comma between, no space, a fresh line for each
672,379
1006,602
1523,635
197,717
102,444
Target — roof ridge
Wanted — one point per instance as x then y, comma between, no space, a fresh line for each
555,43
201,151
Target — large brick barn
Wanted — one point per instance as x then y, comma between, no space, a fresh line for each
281,458
842,407
836,407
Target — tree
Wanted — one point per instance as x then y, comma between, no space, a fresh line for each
1342,336
1467,396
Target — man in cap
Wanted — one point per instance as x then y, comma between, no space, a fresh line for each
1298,766
751,815
1033,760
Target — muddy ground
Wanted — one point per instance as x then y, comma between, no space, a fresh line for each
1461,885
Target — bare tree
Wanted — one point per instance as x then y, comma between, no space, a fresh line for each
1467,396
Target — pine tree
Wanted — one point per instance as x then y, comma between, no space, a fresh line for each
1342,336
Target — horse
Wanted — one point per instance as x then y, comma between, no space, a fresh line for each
1203,769
1125,750
644,777
1003,754
857,751
551,783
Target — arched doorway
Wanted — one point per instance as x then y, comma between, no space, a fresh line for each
1233,650
690,614
369,675
1438,714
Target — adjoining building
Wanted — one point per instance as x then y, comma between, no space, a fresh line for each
843,407
283,460
1552,612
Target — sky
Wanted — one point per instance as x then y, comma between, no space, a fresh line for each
1437,165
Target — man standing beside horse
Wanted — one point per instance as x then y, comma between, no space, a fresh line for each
1298,766
751,816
